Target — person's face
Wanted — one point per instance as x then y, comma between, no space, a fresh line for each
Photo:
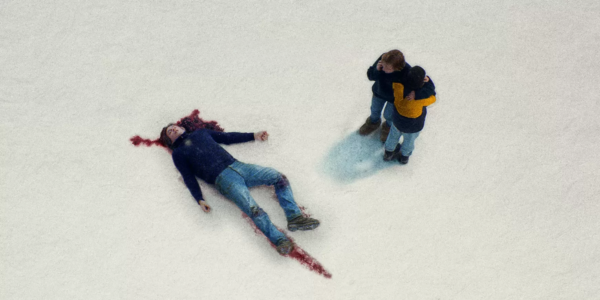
174,131
387,68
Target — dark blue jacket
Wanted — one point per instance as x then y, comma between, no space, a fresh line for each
382,88
198,154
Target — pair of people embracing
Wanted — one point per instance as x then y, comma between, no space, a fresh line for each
405,92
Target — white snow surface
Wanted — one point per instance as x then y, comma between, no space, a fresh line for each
499,200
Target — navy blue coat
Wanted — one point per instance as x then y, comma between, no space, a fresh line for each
382,88
198,154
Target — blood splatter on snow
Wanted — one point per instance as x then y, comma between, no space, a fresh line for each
297,253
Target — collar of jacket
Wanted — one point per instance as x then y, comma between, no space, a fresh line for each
180,139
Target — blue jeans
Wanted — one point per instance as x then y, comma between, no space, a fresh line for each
377,105
234,182
408,144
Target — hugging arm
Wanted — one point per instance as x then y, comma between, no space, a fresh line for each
427,94
428,86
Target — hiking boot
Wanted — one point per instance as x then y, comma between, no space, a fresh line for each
391,155
385,130
302,223
284,247
368,127
403,159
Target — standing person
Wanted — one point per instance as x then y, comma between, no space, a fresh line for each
412,99
198,154
388,68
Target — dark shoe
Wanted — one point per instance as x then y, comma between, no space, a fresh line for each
302,223
403,159
284,247
368,127
389,156
385,130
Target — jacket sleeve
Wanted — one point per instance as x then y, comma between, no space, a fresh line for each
188,176
426,94
229,138
427,101
372,73
429,87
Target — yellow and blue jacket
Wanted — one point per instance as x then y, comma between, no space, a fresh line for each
409,116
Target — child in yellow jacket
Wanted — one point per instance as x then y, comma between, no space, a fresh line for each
412,96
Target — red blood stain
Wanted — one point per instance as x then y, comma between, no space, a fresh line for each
137,140
298,253
194,122
190,123
303,210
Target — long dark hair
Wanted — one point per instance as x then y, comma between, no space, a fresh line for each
190,123
164,138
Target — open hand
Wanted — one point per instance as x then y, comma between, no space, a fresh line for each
261,136
205,207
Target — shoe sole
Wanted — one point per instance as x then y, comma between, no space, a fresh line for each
393,157
303,227
286,250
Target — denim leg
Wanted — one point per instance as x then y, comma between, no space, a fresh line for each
392,139
255,175
388,112
408,144
231,185
376,108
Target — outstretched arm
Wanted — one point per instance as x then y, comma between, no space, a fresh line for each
261,136
205,207
229,138
190,180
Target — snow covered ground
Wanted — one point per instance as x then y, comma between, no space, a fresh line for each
499,201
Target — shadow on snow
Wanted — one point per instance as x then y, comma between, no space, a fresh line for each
355,157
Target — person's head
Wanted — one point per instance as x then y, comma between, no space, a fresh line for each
170,133
393,61
415,78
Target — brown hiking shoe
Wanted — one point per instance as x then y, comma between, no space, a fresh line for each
385,130
368,127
